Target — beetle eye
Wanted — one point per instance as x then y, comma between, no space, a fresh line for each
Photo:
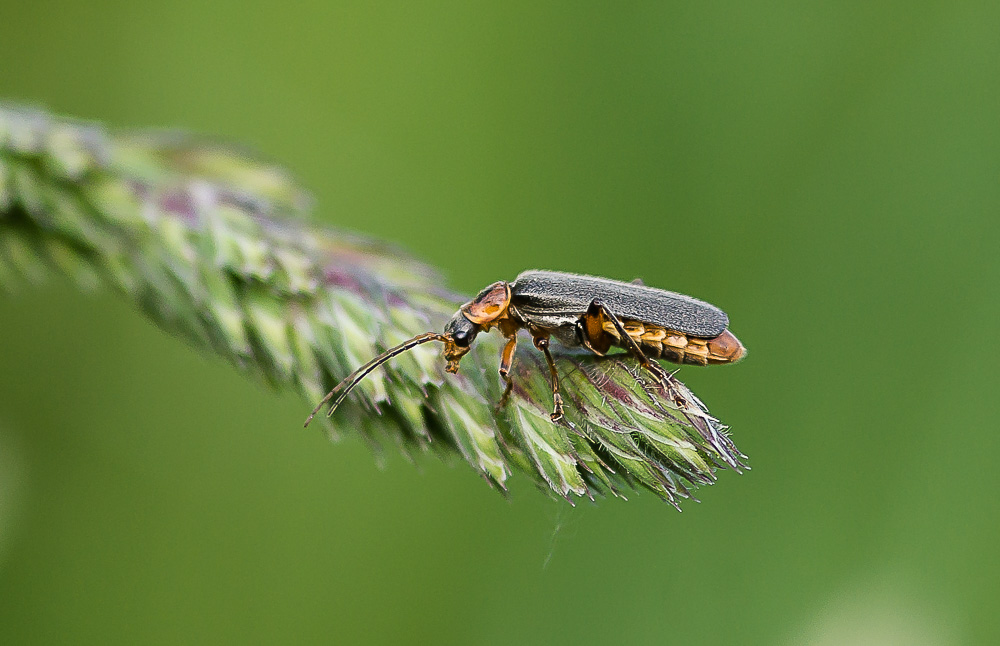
462,337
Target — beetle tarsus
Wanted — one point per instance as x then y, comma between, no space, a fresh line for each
557,412
505,397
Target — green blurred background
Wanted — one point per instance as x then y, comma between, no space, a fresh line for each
829,173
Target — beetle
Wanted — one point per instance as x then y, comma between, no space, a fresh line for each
577,311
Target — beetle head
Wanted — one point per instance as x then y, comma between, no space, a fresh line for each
478,315
461,332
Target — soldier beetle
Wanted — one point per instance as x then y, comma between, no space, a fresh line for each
577,311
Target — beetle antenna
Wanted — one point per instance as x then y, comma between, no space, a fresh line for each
355,378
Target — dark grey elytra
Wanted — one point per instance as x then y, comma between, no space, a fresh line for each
548,293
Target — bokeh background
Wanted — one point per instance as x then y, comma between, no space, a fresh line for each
829,173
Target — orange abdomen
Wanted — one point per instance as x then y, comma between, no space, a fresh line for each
678,347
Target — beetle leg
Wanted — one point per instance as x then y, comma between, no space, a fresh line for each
597,308
542,343
506,359
584,338
505,397
591,334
